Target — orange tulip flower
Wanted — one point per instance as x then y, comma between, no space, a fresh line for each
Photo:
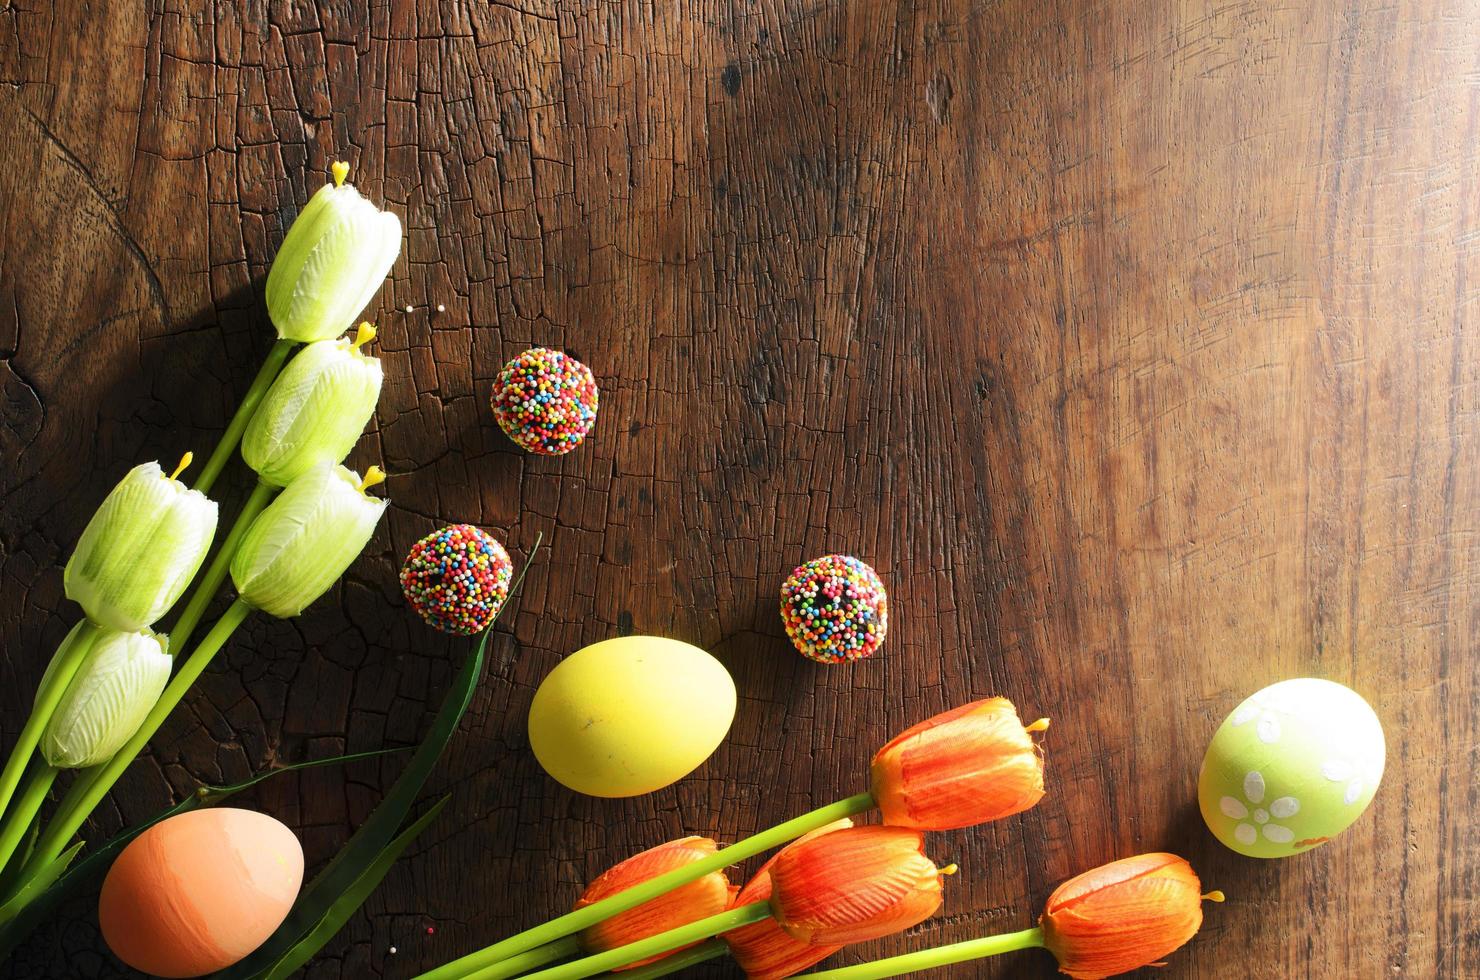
967,766
764,950
709,895
1123,915
853,885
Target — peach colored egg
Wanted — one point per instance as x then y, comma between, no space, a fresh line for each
197,892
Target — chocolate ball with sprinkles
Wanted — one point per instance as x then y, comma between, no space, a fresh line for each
546,401
457,579
835,609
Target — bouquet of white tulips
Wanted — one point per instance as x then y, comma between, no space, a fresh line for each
109,685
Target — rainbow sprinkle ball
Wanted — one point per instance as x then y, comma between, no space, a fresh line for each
457,579
835,609
546,401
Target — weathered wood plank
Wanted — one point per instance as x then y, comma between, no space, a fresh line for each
1135,344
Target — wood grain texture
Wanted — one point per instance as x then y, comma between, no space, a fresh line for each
1136,344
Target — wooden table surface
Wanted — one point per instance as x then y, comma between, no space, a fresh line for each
1136,344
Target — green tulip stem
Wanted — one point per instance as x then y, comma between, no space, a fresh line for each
205,589
47,699
232,437
682,959
38,784
573,922
95,783
643,948
929,959
517,966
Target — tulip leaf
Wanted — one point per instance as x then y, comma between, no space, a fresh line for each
350,901
31,906
314,910
356,857
38,884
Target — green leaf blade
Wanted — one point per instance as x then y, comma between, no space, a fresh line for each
41,882
374,835
351,900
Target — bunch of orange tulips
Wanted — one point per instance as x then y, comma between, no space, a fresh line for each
837,884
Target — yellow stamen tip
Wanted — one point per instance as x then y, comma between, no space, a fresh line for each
363,335
185,461
1041,725
949,869
1214,896
373,477
340,170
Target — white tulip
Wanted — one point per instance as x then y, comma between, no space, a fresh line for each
334,258
316,409
141,548
120,679
306,538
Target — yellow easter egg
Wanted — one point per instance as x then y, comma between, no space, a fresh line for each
628,716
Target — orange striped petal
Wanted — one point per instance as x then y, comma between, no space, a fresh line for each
1123,915
763,949
967,766
710,895
854,885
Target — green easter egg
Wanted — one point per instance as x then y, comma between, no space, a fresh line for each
1292,767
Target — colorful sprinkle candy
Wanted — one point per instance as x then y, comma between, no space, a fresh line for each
546,401
835,609
457,579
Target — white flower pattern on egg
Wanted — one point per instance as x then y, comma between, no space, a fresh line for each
1339,770
1264,709
1281,809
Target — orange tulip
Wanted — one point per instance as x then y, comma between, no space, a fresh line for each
853,885
709,895
970,765
764,950
1123,915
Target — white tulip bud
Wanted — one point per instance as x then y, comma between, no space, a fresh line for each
120,679
316,409
141,548
334,258
306,538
